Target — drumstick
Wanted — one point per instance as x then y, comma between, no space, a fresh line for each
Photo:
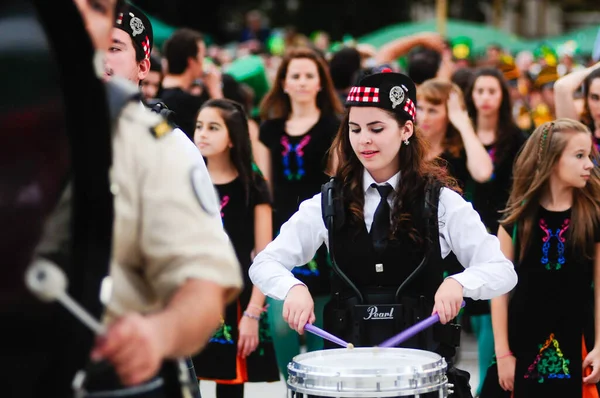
327,336
49,283
413,330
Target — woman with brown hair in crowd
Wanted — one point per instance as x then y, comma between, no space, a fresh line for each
448,131
490,108
299,120
586,110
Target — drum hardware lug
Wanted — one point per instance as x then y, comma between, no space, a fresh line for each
413,380
450,388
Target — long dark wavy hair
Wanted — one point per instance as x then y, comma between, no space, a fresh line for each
236,121
276,103
507,131
415,170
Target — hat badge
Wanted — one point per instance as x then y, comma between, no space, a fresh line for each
396,96
137,26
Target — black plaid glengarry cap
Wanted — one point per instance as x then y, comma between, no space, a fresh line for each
387,90
133,21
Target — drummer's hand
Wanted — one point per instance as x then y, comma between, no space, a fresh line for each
448,300
133,345
298,308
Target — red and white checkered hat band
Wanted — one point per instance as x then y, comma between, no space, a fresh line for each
363,94
410,108
146,47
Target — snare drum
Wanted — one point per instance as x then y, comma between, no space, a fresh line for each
368,372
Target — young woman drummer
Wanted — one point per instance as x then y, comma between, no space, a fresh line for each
396,217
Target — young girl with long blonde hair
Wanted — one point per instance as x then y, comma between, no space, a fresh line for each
545,330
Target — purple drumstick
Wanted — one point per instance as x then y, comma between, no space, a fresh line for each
327,336
411,331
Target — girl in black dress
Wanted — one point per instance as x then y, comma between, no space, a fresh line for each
489,106
242,349
299,121
545,329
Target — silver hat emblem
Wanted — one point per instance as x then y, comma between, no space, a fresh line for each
137,26
396,96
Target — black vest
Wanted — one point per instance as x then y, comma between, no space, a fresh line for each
397,288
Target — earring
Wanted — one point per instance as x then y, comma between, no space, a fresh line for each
406,142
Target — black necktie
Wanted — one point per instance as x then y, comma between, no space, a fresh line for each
380,228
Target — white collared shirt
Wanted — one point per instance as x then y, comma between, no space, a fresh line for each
488,273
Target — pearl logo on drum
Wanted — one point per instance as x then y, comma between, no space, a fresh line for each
374,314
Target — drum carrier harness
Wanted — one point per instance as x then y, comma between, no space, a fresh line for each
351,314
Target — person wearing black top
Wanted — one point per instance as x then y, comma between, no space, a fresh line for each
489,106
242,349
184,52
299,121
546,329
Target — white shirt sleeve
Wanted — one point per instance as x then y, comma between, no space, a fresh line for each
298,241
488,273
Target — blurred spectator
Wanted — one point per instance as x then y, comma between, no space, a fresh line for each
423,64
151,84
463,77
293,38
256,28
545,109
184,52
492,55
321,41
344,67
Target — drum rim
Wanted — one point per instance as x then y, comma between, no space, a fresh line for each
388,393
437,361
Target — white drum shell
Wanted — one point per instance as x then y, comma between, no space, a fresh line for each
368,372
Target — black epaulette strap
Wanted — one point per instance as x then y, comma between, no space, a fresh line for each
332,204
430,213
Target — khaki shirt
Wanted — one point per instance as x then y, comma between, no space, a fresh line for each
167,225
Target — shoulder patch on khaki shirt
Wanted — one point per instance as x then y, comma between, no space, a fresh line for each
161,129
204,190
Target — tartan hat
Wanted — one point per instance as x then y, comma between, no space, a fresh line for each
133,21
387,90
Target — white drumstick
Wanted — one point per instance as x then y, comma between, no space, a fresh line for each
48,282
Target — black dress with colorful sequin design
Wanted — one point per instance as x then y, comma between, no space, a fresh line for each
298,166
219,360
550,313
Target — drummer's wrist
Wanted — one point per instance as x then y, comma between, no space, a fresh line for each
296,287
